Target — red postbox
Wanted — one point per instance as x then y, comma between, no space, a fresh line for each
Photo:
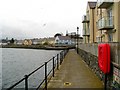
104,57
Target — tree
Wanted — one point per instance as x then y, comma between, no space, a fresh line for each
46,43
12,40
57,34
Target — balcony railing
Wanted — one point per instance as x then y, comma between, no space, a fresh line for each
106,23
85,19
105,3
86,33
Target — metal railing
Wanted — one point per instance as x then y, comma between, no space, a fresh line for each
85,19
106,22
56,61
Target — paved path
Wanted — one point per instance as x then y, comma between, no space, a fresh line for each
74,73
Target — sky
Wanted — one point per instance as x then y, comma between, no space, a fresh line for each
22,19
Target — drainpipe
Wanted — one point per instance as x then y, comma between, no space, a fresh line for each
93,23
101,23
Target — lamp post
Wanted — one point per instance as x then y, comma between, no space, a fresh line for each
77,38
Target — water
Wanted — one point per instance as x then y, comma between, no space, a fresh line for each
18,62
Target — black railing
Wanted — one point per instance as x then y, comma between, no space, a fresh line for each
56,60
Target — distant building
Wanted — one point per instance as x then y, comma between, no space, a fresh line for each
35,41
27,42
19,42
63,41
4,42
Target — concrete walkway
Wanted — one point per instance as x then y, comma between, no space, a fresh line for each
74,73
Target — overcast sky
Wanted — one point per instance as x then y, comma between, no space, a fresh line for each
40,18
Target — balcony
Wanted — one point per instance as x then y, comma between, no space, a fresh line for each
105,3
85,19
106,23
86,33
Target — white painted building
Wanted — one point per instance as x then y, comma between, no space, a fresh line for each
63,40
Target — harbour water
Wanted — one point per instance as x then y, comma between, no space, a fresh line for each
19,62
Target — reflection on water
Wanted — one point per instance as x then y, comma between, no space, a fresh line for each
18,62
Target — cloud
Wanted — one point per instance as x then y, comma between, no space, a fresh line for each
29,29
40,18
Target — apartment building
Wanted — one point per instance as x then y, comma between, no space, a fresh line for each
89,24
108,22
102,21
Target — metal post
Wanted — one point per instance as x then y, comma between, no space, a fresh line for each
53,67
62,55
60,58
105,82
57,61
77,38
45,75
26,82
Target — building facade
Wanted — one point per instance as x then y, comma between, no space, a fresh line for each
89,24
108,22
102,22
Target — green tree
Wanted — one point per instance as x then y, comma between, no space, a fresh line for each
12,40
46,43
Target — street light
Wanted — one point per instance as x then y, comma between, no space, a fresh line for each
77,38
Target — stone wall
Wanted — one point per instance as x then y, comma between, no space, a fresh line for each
89,53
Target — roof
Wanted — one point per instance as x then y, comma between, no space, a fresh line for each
92,5
64,37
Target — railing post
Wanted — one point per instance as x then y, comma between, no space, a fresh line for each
60,58
45,75
53,66
62,55
57,61
26,82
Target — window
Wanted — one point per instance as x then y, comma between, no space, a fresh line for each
110,19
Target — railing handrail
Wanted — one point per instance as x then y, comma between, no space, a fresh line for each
106,21
16,84
27,76
105,17
85,18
